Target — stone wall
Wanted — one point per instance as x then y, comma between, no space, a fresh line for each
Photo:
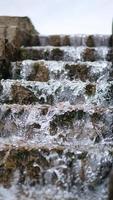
14,32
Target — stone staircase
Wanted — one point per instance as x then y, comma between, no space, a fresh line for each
56,120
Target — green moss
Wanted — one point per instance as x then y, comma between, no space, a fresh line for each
33,54
23,54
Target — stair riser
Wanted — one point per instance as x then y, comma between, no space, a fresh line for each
56,169
46,70
67,123
75,40
64,53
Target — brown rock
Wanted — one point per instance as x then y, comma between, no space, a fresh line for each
90,89
40,73
14,32
65,120
22,95
90,41
89,55
110,55
54,40
78,71
95,117
66,40
57,54
22,159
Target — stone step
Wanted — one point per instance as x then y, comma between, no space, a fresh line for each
64,53
56,114
75,40
53,171
61,124
44,71
73,151
53,91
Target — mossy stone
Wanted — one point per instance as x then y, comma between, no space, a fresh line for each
78,71
39,73
90,41
33,54
57,54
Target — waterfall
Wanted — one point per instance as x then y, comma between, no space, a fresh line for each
75,40
56,120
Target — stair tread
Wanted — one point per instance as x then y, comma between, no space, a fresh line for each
62,62
77,149
59,107
63,47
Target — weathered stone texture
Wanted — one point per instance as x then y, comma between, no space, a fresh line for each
14,32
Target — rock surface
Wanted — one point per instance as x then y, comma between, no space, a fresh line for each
14,32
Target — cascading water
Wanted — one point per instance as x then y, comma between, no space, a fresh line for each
75,40
56,121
